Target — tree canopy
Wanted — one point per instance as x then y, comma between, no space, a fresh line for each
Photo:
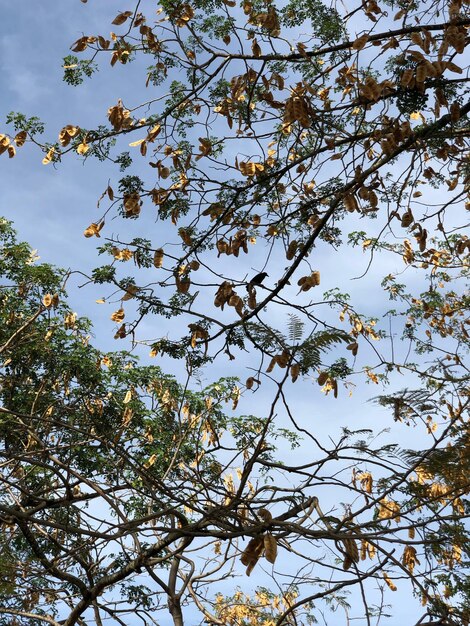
273,149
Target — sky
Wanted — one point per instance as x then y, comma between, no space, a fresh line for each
51,206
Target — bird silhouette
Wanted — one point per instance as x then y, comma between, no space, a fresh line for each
257,280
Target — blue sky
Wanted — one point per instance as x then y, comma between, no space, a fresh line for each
51,206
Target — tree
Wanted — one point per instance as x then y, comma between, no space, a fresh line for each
352,139
119,493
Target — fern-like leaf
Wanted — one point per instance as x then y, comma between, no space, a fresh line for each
295,328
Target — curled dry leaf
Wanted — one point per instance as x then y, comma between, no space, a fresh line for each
121,18
121,332
353,347
67,133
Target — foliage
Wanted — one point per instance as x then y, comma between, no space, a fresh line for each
286,141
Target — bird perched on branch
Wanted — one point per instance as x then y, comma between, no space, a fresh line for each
257,280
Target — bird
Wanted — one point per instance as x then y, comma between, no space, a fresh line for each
257,280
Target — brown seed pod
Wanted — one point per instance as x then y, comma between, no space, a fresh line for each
347,563
421,73
252,553
350,203
291,250
270,548
407,218
294,372
350,548
252,299
323,377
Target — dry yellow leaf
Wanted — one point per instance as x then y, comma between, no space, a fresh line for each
366,481
83,148
158,257
150,461
127,416
20,138
118,315
388,509
391,585
70,319
93,229
409,558
49,156
47,300
67,133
